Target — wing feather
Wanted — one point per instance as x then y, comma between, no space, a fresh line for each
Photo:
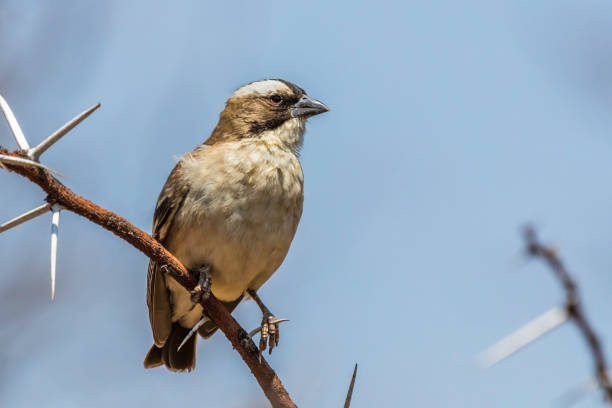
169,203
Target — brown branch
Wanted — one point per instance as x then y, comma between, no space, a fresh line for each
57,193
573,306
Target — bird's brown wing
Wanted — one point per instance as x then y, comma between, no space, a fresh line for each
169,203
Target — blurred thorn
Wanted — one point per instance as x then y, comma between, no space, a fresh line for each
54,231
37,151
349,394
193,330
257,330
578,392
523,336
13,125
25,217
18,161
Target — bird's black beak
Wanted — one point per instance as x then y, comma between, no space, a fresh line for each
307,107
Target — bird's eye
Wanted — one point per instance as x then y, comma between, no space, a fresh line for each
276,99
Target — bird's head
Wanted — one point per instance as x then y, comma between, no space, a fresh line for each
272,108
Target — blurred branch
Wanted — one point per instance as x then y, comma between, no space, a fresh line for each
59,196
573,307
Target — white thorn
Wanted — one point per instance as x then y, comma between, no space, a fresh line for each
192,331
18,161
54,231
13,125
254,332
257,330
24,217
523,336
35,152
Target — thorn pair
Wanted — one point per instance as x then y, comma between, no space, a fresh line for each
32,159
55,217
33,154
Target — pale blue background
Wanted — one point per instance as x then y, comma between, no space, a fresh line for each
451,125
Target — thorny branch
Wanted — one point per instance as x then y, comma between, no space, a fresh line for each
573,307
59,194
25,163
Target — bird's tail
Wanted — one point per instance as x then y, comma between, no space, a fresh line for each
170,356
185,358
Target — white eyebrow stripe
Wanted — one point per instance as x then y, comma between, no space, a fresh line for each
265,87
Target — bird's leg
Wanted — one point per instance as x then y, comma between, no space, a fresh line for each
269,326
202,289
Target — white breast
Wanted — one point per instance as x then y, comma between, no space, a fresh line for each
240,216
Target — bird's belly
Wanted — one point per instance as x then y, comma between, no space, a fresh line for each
244,250
242,257
239,217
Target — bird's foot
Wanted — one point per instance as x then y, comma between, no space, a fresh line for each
270,333
202,290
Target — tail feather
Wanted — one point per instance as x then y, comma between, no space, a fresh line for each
154,357
170,356
183,359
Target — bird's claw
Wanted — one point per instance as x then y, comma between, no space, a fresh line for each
202,289
270,334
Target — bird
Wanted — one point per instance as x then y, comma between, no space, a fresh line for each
229,211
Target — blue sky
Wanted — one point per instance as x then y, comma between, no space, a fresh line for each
451,125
